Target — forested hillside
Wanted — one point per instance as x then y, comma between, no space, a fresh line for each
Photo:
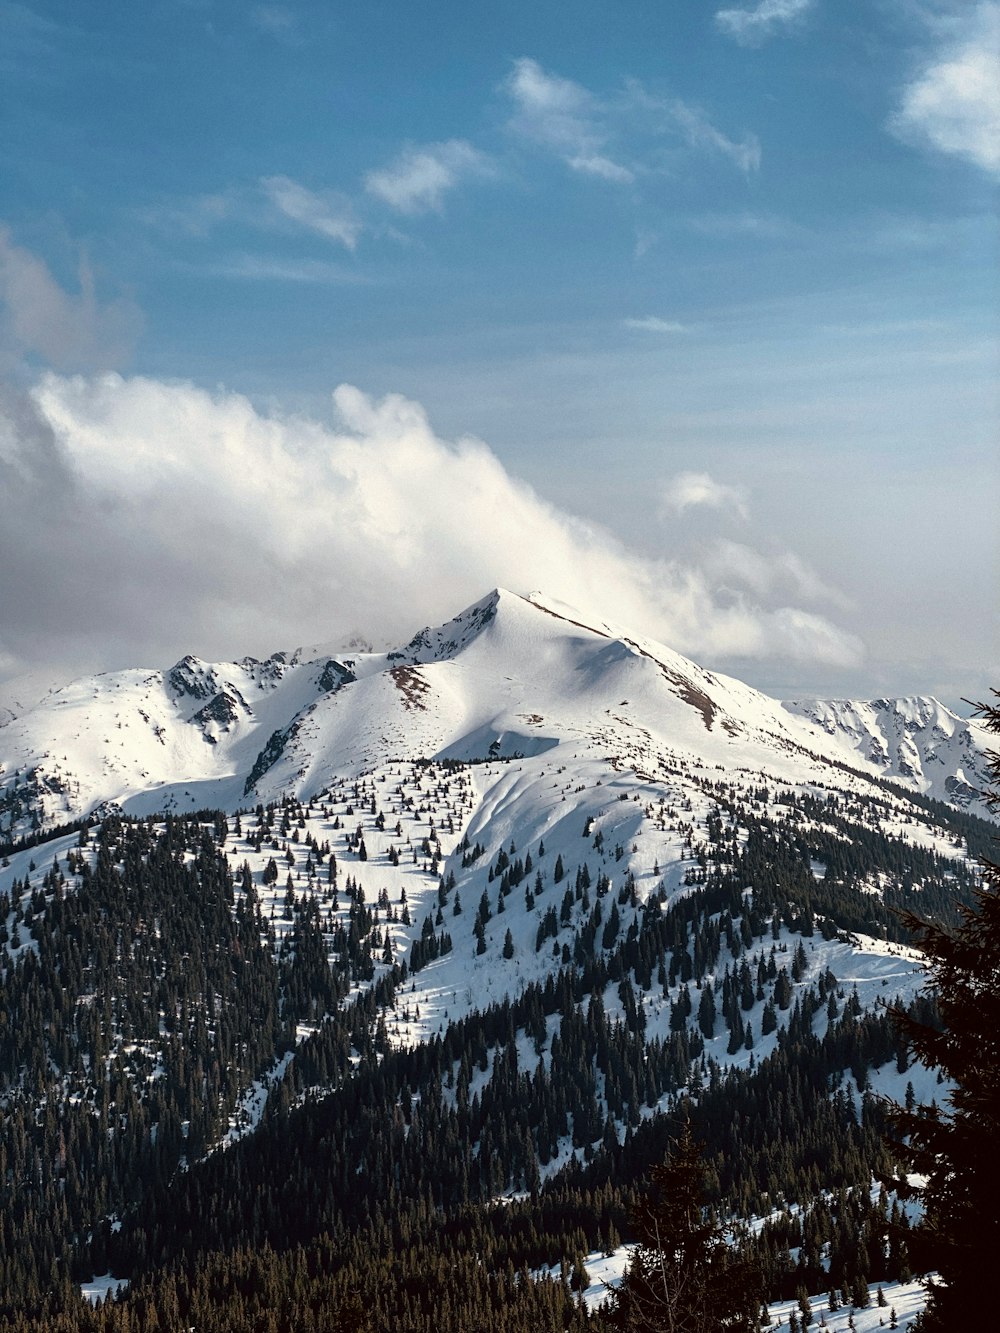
158,989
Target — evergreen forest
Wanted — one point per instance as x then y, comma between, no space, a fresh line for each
206,1087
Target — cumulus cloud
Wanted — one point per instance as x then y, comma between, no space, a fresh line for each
419,178
694,490
953,104
326,214
69,331
752,26
140,520
565,117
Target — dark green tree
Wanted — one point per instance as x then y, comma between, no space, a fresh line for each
683,1277
959,1235
706,1010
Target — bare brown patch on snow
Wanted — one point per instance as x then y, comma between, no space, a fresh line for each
411,686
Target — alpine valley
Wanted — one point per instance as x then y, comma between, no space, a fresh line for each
363,991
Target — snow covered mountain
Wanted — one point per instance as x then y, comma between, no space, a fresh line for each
916,742
530,873
508,676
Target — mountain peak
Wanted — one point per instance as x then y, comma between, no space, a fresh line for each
511,676
436,643
191,676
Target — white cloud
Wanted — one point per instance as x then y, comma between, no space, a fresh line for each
568,119
750,27
596,164
778,574
672,116
646,240
697,490
274,268
654,324
274,20
139,520
194,216
420,177
754,226
326,214
69,331
954,102
564,117
701,133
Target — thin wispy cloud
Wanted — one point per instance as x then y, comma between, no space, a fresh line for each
566,118
586,132
767,575
645,242
420,177
673,117
699,490
897,231
598,164
276,21
276,268
885,328
953,104
196,215
754,25
553,112
327,214
654,324
699,131
746,225
27,35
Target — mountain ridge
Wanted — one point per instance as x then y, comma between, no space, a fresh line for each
509,675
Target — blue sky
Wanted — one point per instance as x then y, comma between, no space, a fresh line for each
715,284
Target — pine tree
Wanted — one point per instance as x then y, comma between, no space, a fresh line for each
860,1296
805,1307
683,1276
959,1234
706,1011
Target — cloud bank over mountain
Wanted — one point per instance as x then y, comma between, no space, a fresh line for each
139,519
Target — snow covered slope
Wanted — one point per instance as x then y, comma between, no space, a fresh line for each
509,676
149,740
